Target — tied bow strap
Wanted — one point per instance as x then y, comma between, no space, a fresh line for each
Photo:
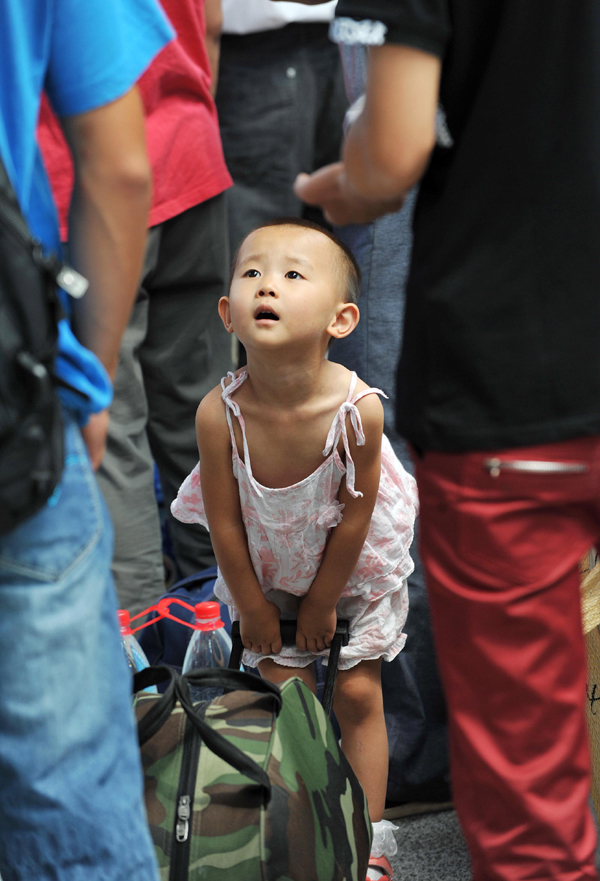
235,383
330,515
339,427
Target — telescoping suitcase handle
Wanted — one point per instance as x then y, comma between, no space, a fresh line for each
288,637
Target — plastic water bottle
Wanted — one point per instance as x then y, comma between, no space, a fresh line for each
134,653
210,646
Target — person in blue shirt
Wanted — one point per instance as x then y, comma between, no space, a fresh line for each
70,783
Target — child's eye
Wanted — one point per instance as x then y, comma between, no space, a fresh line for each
293,274
251,273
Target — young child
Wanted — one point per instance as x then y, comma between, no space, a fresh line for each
310,512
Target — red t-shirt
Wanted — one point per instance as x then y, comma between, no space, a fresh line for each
184,143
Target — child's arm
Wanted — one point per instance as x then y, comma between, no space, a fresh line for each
317,616
259,619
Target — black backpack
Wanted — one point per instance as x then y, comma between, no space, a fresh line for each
31,426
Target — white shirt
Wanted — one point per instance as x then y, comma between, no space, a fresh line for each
250,16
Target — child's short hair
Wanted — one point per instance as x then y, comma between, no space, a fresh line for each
349,267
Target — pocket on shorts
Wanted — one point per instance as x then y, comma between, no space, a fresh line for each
68,527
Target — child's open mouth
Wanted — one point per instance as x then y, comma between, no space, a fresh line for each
266,315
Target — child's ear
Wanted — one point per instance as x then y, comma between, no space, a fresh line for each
225,314
346,319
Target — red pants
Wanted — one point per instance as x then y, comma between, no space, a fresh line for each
502,535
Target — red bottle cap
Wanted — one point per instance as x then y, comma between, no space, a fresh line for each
124,623
208,616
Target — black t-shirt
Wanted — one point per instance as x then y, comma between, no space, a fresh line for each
502,334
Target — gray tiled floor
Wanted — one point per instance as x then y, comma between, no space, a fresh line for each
431,848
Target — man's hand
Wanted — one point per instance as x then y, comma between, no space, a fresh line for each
260,629
316,625
94,434
330,189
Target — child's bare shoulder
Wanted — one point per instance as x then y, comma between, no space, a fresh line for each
210,415
369,407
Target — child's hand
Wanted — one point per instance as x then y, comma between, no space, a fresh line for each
260,629
316,625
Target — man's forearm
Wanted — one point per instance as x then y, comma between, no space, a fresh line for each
108,220
388,147
107,243
370,175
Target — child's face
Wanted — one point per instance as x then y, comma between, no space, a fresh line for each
286,287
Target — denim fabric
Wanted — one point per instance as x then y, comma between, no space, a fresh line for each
70,783
414,705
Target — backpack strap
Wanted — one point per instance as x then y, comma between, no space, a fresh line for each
10,213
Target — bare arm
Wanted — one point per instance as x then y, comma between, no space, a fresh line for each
388,147
259,619
108,217
317,618
214,26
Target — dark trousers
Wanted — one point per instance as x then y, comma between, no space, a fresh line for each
501,542
415,711
174,350
281,103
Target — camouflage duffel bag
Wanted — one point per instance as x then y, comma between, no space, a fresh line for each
251,786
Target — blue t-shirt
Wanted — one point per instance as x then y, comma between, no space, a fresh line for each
84,54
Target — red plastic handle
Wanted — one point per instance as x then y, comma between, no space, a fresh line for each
163,610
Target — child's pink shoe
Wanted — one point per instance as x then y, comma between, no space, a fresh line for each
384,845
381,863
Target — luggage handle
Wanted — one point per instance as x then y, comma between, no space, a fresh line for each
288,637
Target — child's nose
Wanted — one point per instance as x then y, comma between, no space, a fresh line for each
268,291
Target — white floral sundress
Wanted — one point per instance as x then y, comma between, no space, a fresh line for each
287,530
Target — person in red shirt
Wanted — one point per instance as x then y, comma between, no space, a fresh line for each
175,348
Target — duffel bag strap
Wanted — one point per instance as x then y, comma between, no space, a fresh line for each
218,744
160,709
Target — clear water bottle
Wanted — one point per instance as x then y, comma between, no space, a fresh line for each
134,653
210,646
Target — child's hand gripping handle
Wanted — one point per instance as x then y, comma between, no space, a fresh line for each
288,637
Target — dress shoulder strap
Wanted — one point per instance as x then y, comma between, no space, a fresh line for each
338,428
231,406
